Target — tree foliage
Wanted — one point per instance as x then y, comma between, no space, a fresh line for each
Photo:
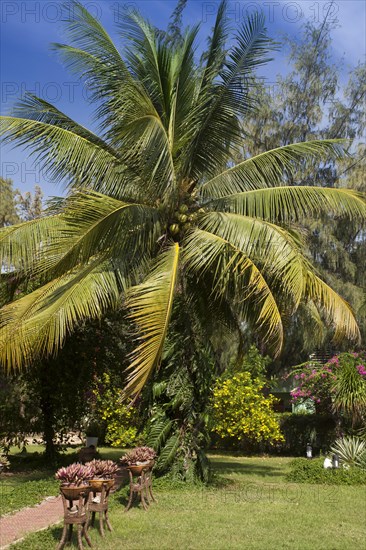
311,103
155,209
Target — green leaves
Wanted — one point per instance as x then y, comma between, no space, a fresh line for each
37,324
151,305
270,168
169,127
336,310
291,204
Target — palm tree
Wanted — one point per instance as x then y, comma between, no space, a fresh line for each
155,207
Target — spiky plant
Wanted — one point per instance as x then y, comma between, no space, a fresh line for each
74,474
349,391
103,469
351,450
155,207
138,455
4,463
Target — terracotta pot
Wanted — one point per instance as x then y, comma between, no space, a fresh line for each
72,492
137,469
97,484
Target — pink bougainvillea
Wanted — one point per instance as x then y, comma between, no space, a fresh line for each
318,382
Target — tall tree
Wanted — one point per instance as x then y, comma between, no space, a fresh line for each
30,205
310,104
154,210
8,209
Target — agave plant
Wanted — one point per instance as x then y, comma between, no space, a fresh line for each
103,469
351,450
74,474
139,455
156,207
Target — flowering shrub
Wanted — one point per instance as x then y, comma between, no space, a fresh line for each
241,411
339,385
119,418
315,382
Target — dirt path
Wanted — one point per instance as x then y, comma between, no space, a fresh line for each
15,526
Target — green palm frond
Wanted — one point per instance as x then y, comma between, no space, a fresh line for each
64,153
38,323
151,304
268,169
154,67
204,251
159,432
293,203
336,310
22,245
274,249
215,56
214,120
168,129
169,452
94,223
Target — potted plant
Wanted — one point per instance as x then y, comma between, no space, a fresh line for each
103,471
138,459
74,479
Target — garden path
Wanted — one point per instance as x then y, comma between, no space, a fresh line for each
15,526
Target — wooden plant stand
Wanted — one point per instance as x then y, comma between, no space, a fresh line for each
140,485
100,507
75,515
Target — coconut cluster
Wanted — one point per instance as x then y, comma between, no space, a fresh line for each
184,219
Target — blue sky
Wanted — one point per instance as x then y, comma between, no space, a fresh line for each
28,27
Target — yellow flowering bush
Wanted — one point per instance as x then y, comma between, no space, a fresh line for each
242,412
119,419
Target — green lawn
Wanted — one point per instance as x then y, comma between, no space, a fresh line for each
250,505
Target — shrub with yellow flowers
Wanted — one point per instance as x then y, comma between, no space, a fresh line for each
241,411
121,420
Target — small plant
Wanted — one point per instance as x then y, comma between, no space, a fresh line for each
4,463
139,455
351,450
75,474
102,469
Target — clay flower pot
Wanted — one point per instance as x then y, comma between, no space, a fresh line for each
97,484
72,492
136,469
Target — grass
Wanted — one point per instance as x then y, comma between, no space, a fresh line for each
249,505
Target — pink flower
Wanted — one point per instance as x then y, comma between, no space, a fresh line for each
361,370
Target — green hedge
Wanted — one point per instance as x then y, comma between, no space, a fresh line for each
305,470
301,429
